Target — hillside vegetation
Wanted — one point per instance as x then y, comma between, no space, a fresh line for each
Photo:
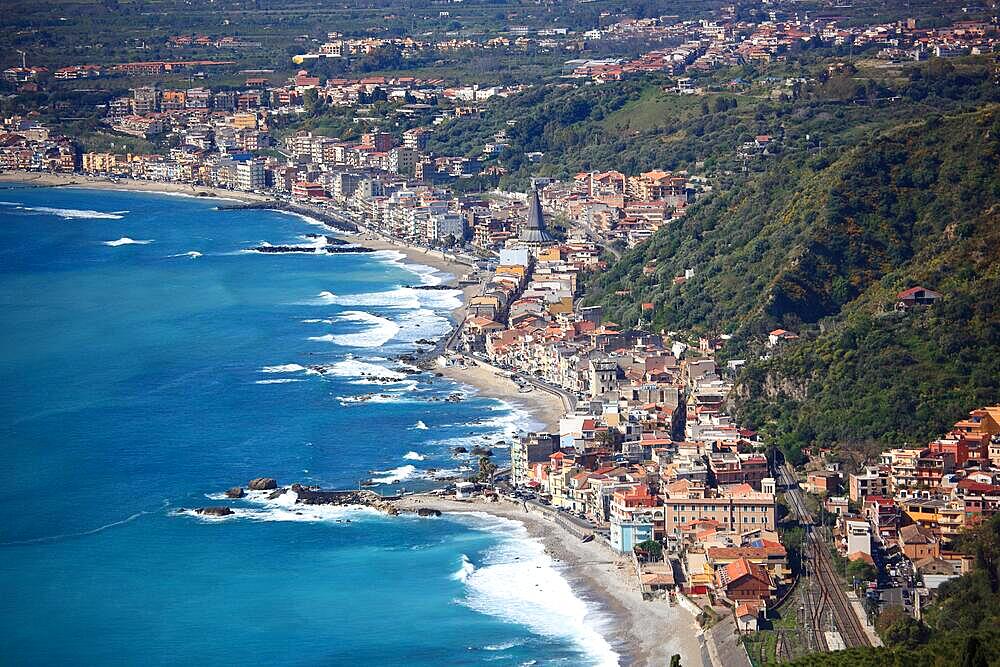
820,243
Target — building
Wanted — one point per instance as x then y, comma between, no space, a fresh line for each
916,296
918,543
145,100
738,508
304,189
822,482
530,449
743,580
870,482
634,515
534,233
250,176
858,533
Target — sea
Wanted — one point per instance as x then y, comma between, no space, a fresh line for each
150,360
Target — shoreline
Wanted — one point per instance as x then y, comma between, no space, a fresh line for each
641,632
544,408
64,180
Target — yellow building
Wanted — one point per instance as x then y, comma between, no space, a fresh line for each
245,121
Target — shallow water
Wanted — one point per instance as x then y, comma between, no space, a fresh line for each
148,362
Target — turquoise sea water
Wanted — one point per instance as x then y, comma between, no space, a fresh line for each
141,378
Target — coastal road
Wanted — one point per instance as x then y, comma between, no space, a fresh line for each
568,399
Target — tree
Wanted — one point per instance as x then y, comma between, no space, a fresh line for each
652,547
487,469
973,654
984,544
861,570
311,101
675,660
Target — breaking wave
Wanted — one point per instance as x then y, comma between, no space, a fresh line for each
377,330
283,368
68,213
400,474
518,582
127,241
465,570
284,508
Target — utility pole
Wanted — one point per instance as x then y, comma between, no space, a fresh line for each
24,59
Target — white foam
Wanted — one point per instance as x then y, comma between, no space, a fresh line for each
520,583
422,323
127,241
413,456
364,372
283,368
377,332
284,508
400,297
73,213
193,254
465,570
278,381
420,425
400,474
428,274
317,321
503,646
383,398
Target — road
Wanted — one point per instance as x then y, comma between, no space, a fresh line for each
596,238
568,399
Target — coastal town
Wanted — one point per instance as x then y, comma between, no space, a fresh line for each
640,476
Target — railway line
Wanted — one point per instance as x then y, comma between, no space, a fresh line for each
830,598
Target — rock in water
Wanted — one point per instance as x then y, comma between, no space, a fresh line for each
235,492
428,511
262,484
214,511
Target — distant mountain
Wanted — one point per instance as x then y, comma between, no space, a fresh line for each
821,246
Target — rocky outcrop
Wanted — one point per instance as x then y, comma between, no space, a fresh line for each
262,484
312,495
481,451
428,511
235,492
320,250
215,511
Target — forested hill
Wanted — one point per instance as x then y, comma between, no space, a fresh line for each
820,245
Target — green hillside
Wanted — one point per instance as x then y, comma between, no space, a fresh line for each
821,246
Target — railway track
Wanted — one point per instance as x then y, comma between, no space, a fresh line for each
830,596
846,619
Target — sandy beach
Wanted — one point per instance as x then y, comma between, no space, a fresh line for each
645,633
544,407
100,183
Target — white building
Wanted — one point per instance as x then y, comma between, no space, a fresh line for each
250,176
